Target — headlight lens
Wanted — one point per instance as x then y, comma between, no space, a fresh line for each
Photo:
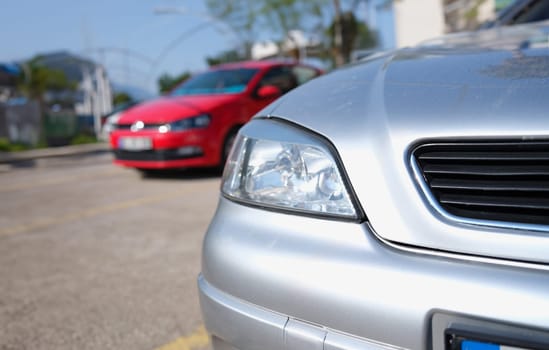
199,121
296,172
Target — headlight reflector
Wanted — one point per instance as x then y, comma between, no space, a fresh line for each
199,121
294,173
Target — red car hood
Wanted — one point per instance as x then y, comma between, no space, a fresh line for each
168,109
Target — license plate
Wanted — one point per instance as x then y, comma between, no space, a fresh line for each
479,345
135,143
458,340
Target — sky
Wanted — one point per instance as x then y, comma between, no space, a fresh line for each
135,43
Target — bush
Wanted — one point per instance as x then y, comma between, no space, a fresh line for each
82,139
7,146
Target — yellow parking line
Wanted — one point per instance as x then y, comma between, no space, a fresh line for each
41,224
198,338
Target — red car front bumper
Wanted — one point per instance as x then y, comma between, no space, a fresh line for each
153,150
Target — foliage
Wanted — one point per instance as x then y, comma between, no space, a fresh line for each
341,30
248,17
37,79
465,16
226,57
83,139
471,15
355,35
366,38
7,146
167,82
349,33
121,98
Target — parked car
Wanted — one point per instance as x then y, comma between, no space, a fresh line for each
397,203
520,12
195,125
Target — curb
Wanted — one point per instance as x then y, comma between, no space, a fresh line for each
64,151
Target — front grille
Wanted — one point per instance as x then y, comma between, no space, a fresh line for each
154,155
123,126
502,181
145,127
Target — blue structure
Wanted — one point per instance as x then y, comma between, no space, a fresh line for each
10,68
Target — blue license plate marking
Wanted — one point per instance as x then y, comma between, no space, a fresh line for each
477,345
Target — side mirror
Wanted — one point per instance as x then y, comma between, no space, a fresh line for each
268,91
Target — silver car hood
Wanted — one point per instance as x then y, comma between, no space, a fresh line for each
490,84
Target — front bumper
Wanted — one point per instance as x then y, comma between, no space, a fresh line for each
272,281
235,322
161,158
191,148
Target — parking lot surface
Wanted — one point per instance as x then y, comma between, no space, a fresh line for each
94,256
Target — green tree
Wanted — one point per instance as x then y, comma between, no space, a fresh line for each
246,17
355,35
167,82
226,57
366,38
324,17
37,79
120,98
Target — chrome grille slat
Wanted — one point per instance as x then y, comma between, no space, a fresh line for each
486,170
489,186
502,181
482,156
495,201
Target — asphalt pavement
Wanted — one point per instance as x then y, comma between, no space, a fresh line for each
97,256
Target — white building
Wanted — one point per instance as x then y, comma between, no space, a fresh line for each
93,97
264,49
295,40
409,22
95,90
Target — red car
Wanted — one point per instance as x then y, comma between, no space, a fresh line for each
195,125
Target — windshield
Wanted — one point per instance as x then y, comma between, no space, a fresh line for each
518,11
220,81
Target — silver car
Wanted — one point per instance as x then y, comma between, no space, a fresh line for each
398,203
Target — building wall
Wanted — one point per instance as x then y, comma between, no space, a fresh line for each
401,23
417,20
97,95
20,122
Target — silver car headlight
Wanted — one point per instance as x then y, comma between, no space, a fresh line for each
274,164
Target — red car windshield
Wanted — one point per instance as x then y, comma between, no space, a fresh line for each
219,81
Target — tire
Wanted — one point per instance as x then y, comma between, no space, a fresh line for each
150,173
227,145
